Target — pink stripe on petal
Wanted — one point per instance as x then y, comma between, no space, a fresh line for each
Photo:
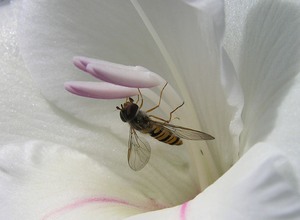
137,77
99,90
88,201
183,211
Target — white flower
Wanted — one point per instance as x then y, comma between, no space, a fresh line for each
64,157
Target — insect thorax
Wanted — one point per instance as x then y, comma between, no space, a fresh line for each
141,122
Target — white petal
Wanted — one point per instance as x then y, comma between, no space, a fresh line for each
171,38
261,185
40,180
45,181
285,134
236,12
55,182
215,10
190,40
26,115
108,30
269,65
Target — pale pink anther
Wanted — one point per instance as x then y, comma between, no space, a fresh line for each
99,90
130,76
81,62
120,81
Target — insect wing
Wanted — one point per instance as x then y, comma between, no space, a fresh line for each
186,133
138,151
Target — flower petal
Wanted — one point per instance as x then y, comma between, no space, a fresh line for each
215,10
60,183
184,50
269,64
37,167
285,134
261,185
191,47
48,170
203,71
236,12
45,181
70,28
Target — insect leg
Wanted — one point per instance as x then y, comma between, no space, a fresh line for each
160,96
170,118
138,99
153,116
142,100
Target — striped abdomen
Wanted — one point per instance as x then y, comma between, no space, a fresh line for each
164,135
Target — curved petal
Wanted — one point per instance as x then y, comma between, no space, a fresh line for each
285,134
59,183
199,71
269,65
27,116
261,185
236,12
184,49
219,87
40,179
106,30
45,181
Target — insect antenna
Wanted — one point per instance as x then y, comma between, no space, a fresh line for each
117,107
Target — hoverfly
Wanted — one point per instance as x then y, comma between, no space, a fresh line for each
138,148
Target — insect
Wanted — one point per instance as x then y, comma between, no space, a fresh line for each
138,148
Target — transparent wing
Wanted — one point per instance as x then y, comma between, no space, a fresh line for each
186,133
138,151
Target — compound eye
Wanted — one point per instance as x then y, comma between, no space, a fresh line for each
123,116
131,111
